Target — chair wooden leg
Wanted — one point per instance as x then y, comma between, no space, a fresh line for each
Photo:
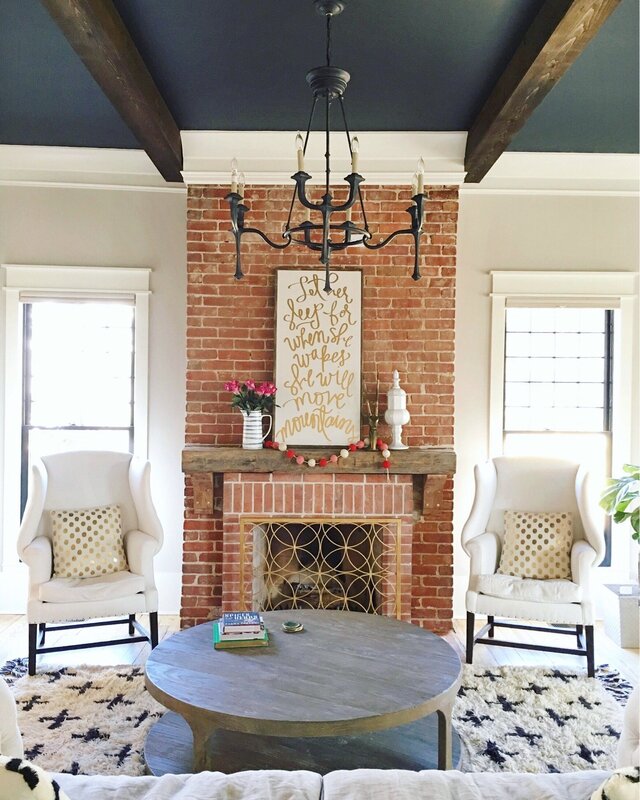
33,638
492,631
132,618
591,668
153,625
471,620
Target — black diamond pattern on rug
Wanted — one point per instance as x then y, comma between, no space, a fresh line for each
84,720
536,719
94,720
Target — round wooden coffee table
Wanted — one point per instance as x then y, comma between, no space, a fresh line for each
352,690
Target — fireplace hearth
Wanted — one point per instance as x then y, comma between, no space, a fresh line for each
342,538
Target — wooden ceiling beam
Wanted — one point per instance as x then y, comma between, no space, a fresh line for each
97,33
559,33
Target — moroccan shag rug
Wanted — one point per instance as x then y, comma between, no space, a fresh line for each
94,720
86,720
535,719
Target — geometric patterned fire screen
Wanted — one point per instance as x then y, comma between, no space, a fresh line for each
347,564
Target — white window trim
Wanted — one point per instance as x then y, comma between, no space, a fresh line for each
19,281
615,290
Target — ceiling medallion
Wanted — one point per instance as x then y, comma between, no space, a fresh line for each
328,84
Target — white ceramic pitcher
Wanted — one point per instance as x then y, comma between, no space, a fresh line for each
252,437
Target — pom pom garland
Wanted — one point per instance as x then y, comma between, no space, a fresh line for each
334,458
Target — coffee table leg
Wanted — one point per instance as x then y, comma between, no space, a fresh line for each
445,755
201,733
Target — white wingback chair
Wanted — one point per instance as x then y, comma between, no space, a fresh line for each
87,479
534,485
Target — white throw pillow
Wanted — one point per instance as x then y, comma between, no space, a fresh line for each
537,545
622,785
87,542
21,780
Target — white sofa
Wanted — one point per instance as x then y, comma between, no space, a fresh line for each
339,785
361,784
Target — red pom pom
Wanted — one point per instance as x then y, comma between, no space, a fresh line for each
360,444
290,454
323,462
268,443
386,463
379,443
352,448
275,445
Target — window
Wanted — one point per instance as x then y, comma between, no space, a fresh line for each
78,378
557,386
53,387
560,385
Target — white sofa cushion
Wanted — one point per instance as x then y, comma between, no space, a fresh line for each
10,739
87,542
80,590
250,785
378,784
510,587
629,746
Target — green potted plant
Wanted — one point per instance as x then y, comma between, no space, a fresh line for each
621,499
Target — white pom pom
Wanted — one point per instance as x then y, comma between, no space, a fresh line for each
344,454
311,462
366,441
386,453
282,447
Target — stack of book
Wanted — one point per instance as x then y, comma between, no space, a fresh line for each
239,629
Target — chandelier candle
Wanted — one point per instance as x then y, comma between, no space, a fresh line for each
300,151
420,177
234,176
328,85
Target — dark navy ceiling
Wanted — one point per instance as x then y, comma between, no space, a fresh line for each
46,94
240,65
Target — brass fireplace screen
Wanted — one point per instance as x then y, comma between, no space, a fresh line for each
347,564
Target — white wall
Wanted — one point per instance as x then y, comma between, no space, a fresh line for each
522,232
119,228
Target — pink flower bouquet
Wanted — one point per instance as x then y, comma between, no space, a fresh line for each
249,396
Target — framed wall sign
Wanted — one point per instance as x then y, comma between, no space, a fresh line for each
318,357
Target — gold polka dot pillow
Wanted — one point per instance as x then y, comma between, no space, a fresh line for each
537,545
87,542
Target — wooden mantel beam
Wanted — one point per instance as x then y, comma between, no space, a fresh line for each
559,33
97,33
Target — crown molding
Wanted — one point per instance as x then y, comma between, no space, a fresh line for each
571,174
81,168
269,157
386,158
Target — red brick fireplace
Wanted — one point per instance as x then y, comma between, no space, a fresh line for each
407,326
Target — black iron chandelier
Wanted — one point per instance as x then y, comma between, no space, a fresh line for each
328,84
